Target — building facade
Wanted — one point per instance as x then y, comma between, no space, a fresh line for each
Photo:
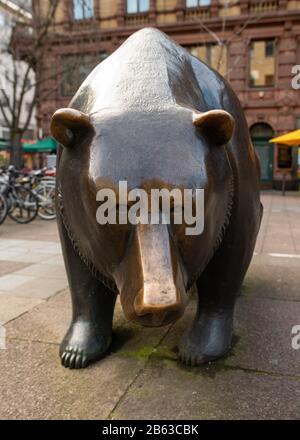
10,11
254,44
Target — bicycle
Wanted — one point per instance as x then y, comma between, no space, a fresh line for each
3,208
21,202
44,188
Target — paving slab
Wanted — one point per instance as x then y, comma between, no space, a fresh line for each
11,281
166,390
38,230
39,287
56,260
33,384
262,336
26,256
11,266
49,322
272,277
263,328
12,307
43,270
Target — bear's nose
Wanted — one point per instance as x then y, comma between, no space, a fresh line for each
152,316
159,295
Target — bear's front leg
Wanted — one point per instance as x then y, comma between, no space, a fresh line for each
210,335
208,338
90,331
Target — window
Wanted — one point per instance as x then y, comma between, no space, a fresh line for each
4,133
261,132
135,6
75,68
213,55
262,63
83,9
269,49
195,3
284,157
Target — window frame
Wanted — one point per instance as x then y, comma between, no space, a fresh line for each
198,5
208,46
249,86
83,18
138,8
283,169
3,130
99,56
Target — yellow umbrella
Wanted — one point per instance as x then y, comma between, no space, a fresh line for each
291,139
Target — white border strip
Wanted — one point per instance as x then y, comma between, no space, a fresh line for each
284,255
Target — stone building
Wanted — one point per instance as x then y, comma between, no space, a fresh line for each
12,11
254,44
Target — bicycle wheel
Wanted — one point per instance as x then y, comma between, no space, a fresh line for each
25,206
46,200
3,208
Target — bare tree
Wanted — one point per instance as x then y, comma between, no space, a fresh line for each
25,47
219,37
31,74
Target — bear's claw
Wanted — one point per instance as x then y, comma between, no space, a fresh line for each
73,357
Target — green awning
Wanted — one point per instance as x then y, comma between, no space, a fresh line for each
3,145
47,144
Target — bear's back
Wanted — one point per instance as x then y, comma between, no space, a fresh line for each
149,72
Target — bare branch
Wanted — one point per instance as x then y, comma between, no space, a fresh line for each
6,99
5,117
30,112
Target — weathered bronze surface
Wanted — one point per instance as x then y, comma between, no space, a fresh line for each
155,116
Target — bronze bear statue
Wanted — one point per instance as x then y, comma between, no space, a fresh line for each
155,116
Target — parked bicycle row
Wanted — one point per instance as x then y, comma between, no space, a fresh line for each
26,195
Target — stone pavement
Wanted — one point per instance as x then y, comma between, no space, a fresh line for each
141,377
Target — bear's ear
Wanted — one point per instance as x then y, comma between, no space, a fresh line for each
68,124
217,125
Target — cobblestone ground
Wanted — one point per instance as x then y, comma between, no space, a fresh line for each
141,377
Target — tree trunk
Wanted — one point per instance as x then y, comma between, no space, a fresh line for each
16,152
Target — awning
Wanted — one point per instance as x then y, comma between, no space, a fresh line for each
290,139
3,145
47,144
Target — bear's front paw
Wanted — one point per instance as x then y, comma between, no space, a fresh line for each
83,344
208,339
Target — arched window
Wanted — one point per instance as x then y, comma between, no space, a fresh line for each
261,131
